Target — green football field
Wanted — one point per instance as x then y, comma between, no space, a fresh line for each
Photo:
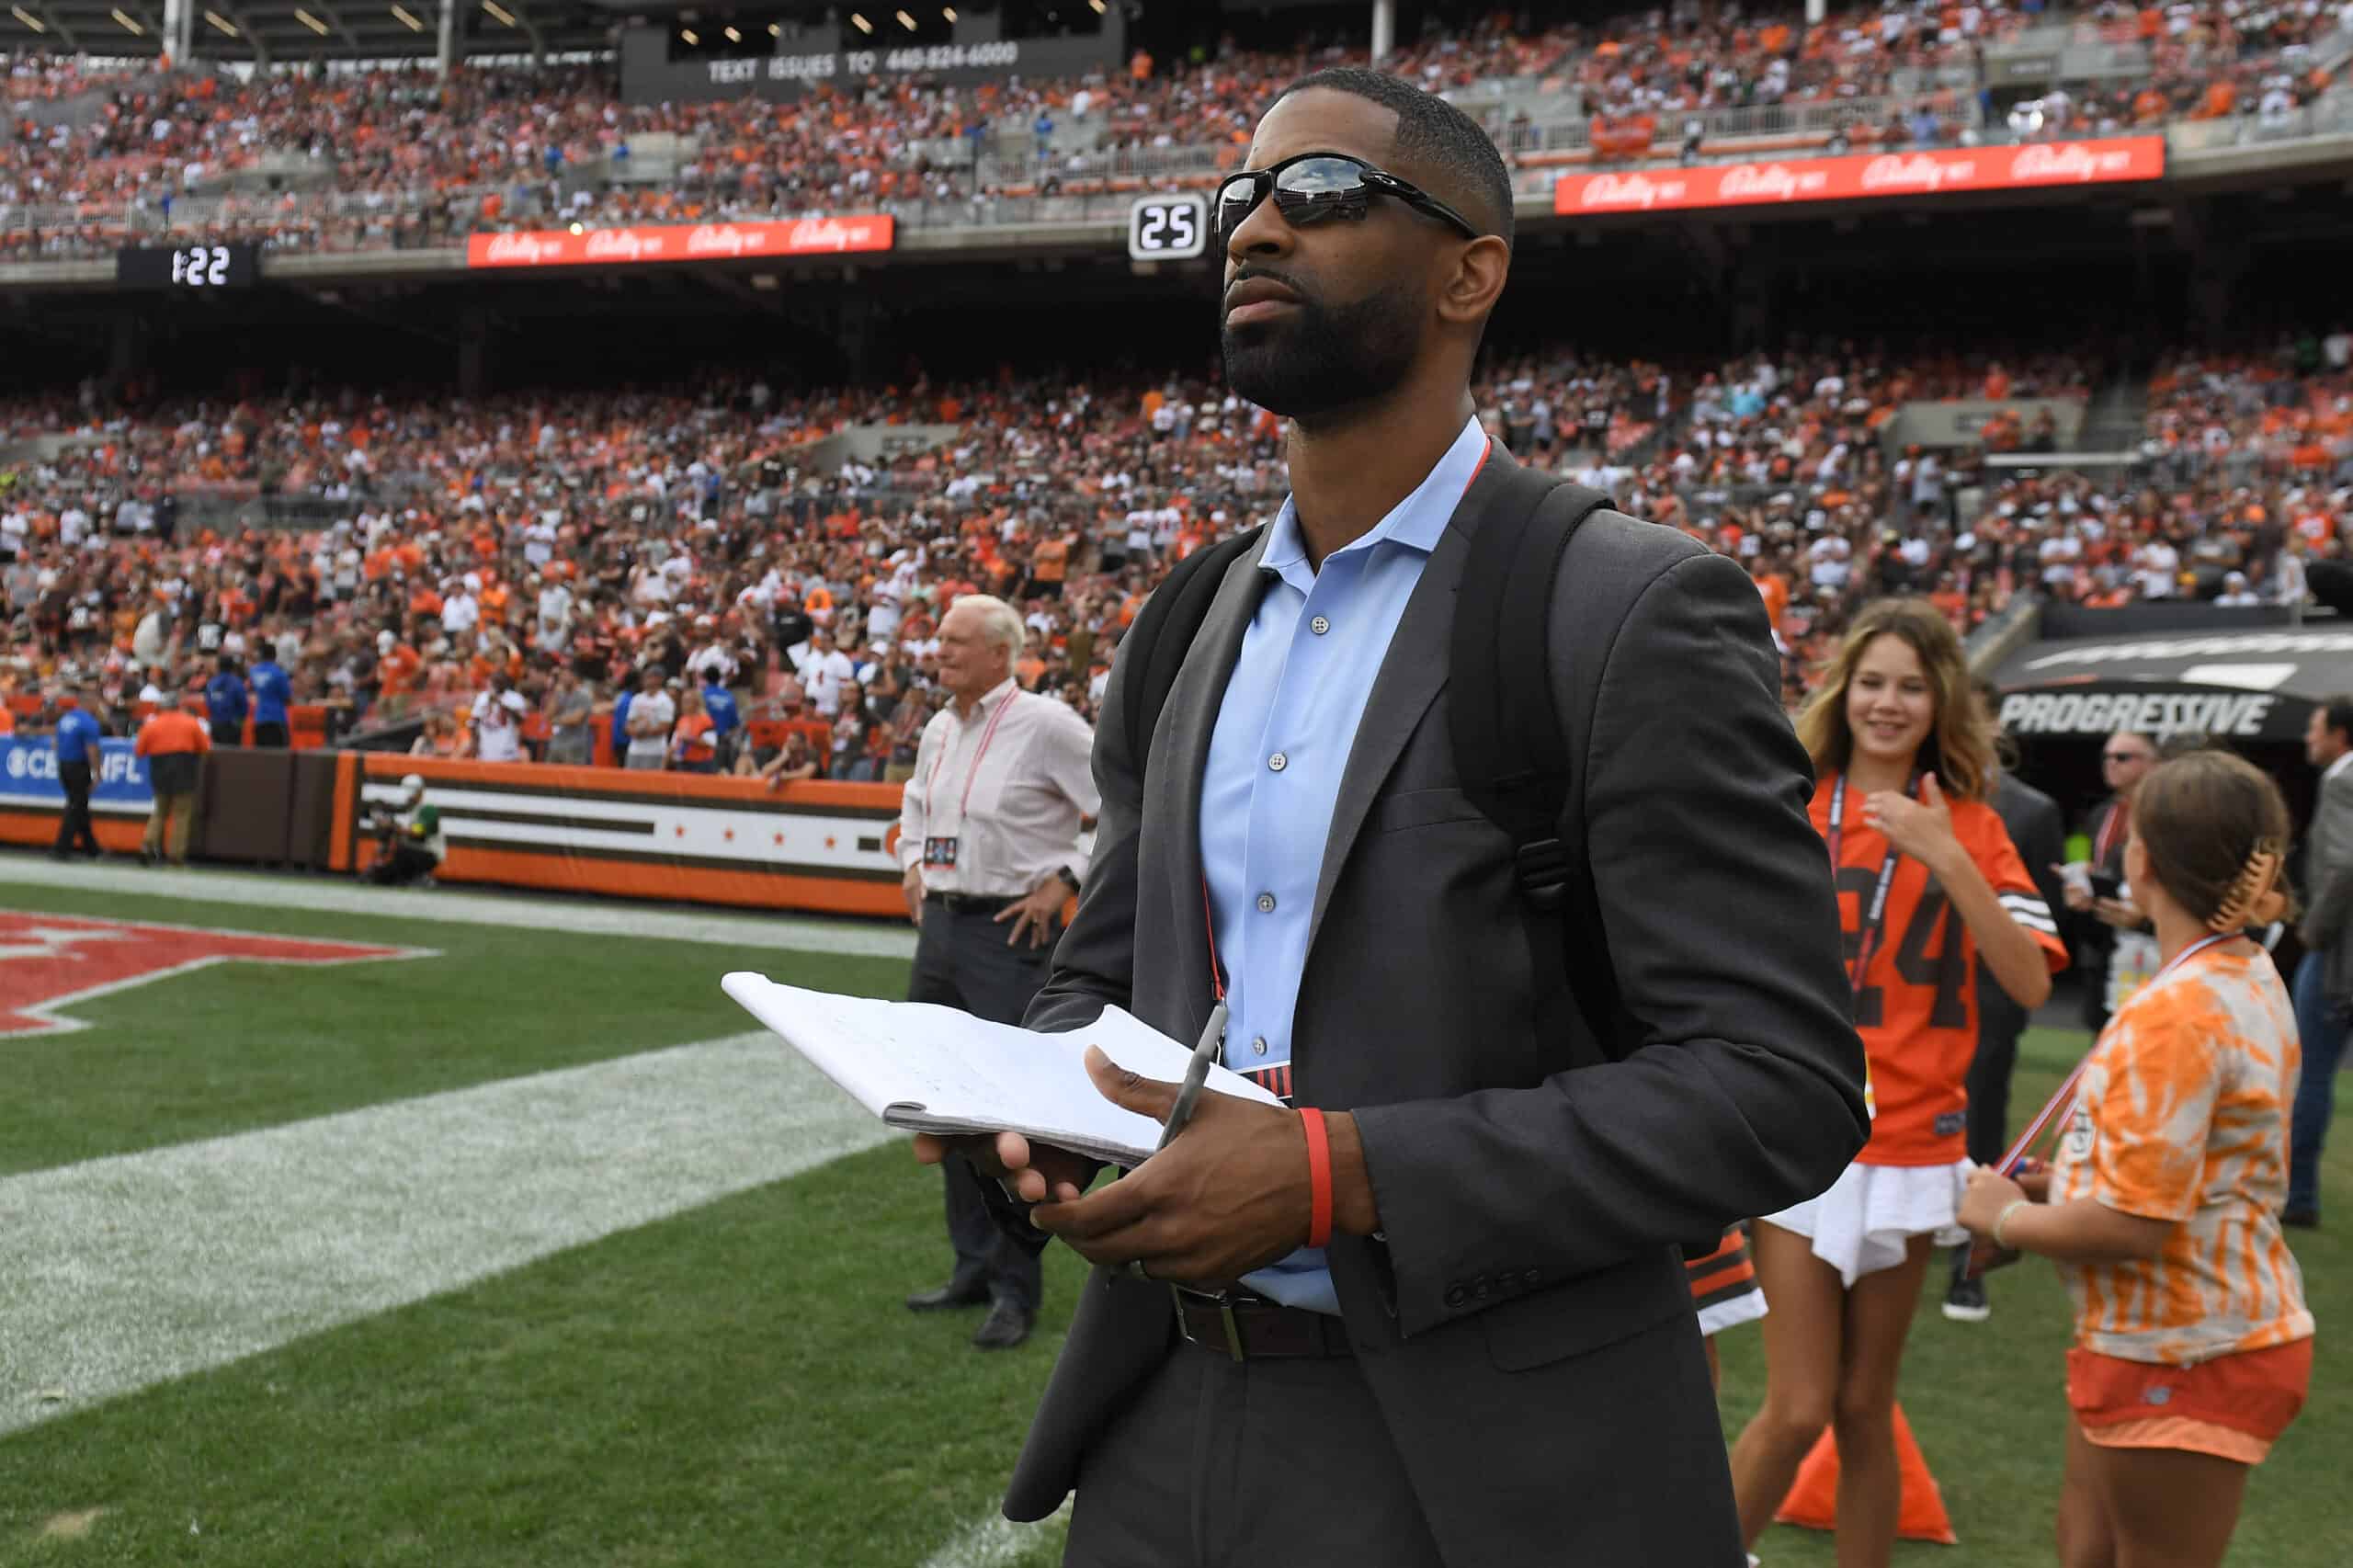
524,1248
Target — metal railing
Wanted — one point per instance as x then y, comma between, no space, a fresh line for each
75,109
305,512
1117,163
1813,117
2330,115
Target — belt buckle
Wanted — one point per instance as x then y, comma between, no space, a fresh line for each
1226,1315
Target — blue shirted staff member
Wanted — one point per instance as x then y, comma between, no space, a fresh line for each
726,719
272,692
623,697
225,704
76,739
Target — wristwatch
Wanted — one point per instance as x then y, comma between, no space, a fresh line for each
1069,877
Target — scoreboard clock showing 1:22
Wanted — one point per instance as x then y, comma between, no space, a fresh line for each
1168,228
195,267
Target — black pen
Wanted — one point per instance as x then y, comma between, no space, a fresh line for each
1197,1072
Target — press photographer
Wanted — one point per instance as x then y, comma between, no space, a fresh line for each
409,844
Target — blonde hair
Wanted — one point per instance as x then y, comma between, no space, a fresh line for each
1958,748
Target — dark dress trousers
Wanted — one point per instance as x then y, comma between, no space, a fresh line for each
1525,1277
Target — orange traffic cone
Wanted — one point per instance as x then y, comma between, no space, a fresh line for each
1813,1502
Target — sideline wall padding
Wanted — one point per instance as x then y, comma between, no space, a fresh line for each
677,838
310,820
671,838
242,805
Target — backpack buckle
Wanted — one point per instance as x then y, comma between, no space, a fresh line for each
1544,868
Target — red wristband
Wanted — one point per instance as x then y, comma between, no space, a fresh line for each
1319,1177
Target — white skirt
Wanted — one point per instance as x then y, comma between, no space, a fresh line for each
1863,1223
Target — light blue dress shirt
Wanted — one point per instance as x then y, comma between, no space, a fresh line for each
1283,735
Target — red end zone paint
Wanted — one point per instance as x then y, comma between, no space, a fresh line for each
50,961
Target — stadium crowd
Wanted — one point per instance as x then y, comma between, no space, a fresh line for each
402,158
526,536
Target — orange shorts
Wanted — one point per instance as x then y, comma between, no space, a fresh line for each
2234,1407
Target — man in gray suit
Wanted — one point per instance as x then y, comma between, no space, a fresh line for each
1489,1356
2040,836
2324,979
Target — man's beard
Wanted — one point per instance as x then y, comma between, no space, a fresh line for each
1320,360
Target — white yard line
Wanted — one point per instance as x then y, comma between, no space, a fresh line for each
993,1542
118,1273
329,895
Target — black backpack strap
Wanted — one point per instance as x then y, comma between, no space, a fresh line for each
1509,750
1164,632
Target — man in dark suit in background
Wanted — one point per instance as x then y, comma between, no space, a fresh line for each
2125,760
2324,987
2039,835
1443,1318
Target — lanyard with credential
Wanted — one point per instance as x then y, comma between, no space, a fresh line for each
1210,1046
2064,1100
1876,911
965,801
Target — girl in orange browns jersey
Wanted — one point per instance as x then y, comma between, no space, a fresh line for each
2193,1344
1927,880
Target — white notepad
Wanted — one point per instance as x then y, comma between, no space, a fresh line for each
926,1068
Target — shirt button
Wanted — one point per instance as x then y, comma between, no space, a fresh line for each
1278,762
1266,904
1319,626
1258,1046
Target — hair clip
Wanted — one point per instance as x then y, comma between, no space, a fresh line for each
2252,887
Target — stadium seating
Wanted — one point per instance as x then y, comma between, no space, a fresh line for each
397,159
1785,461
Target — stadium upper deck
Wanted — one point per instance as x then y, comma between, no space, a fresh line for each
402,159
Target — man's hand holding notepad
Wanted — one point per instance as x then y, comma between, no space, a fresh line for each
936,1070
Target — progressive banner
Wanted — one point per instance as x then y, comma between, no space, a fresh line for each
2108,709
682,242
1939,172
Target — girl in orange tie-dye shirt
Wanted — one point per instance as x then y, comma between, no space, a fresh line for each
2193,1344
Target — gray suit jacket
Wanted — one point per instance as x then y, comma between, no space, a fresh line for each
2328,867
1523,1322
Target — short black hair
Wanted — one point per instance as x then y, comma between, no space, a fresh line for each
1430,131
2340,712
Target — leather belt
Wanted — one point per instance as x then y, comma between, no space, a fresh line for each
969,903
1248,1328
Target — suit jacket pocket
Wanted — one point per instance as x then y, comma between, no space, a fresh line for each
1422,808
1586,1314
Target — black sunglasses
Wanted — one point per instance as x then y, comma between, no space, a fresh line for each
1317,186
